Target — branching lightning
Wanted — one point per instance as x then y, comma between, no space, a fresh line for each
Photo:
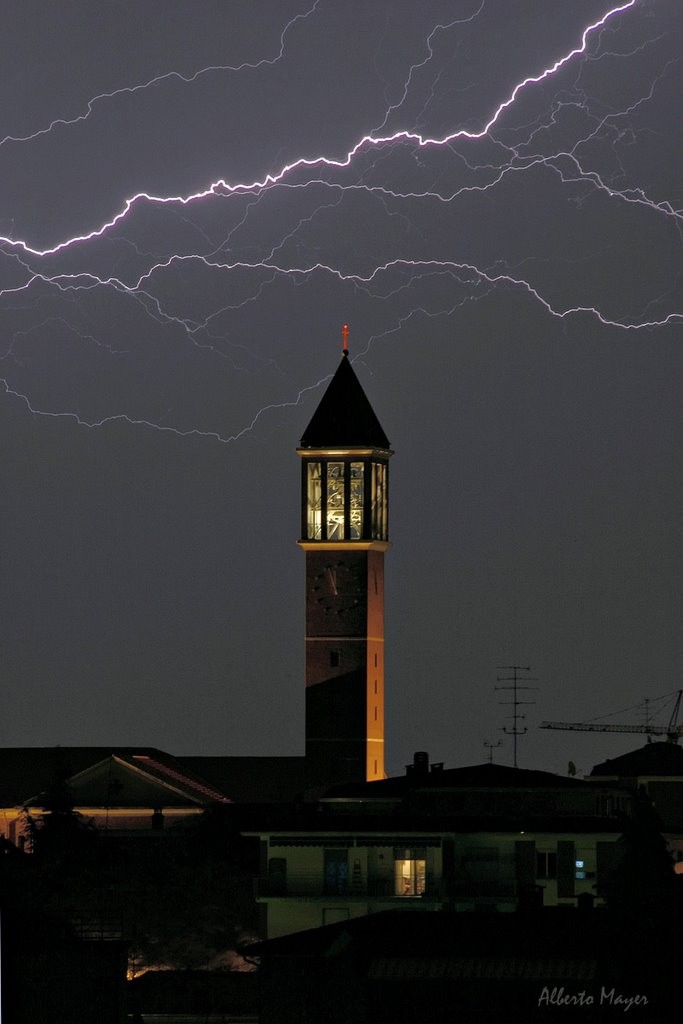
168,76
71,267
369,141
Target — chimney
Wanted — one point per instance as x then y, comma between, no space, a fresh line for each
420,765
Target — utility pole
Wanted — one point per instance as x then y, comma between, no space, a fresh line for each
516,717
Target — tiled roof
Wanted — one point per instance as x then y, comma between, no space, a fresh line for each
483,968
168,772
551,934
26,772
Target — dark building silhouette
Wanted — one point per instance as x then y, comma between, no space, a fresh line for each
657,768
411,967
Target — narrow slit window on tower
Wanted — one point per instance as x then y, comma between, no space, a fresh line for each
335,659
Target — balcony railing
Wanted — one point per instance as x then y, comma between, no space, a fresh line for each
483,887
315,887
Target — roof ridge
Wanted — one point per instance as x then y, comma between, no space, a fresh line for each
178,776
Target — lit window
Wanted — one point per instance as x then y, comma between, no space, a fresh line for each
356,491
579,873
314,501
335,501
409,873
379,501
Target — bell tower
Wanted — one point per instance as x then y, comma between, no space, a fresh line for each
344,532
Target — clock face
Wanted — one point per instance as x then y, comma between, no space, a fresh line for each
338,588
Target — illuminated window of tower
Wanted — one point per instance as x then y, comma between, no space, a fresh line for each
379,501
314,502
409,872
356,501
335,501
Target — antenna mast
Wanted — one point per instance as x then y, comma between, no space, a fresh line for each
491,747
516,717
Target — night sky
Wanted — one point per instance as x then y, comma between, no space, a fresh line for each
509,262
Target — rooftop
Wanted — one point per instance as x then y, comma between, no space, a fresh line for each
344,418
651,759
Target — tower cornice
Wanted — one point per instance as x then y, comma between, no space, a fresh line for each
347,452
344,545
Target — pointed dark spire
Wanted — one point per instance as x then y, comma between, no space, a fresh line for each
344,418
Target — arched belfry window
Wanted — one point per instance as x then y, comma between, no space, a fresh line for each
345,499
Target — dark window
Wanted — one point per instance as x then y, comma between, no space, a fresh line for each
546,864
565,868
336,872
277,876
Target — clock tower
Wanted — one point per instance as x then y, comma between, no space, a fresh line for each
344,532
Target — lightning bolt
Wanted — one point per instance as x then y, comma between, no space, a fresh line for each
212,435
368,141
130,90
41,270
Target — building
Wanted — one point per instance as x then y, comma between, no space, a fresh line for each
485,837
414,967
134,790
344,533
655,769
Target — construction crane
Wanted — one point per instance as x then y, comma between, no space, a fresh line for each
673,731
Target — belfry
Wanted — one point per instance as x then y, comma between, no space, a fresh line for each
344,532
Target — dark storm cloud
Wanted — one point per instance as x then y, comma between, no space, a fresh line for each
152,588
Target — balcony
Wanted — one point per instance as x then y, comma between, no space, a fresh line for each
315,887
484,887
